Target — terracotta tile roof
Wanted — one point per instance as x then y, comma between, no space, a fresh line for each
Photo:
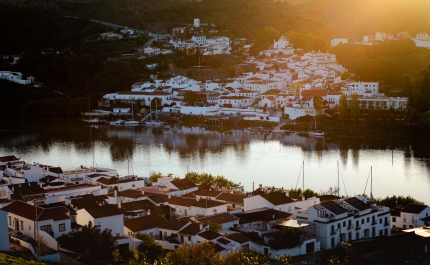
25,189
56,214
357,204
414,208
209,235
223,241
174,224
396,212
207,193
156,199
192,229
137,205
88,201
313,92
237,237
334,207
183,184
276,198
26,211
231,198
144,223
263,215
218,218
103,211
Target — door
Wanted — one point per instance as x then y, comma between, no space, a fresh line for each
310,247
160,234
16,224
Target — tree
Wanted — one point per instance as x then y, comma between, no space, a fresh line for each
91,241
264,39
355,108
154,176
203,253
215,227
318,105
151,249
343,108
238,49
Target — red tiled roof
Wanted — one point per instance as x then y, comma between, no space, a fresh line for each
237,237
183,184
192,229
218,218
26,211
103,211
174,224
144,223
209,235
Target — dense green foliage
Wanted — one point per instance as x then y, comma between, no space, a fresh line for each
386,62
151,249
396,201
210,180
92,242
418,89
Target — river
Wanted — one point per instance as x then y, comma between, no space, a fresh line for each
400,164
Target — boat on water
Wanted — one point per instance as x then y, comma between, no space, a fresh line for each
313,128
117,122
156,122
131,122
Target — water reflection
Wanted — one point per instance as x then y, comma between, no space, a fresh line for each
401,164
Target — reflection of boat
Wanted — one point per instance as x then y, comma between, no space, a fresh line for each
313,131
154,123
93,121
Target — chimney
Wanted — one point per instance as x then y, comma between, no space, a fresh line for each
197,198
119,205
148,211
201,226
169,196
143,192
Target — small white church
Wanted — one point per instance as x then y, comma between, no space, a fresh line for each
282,43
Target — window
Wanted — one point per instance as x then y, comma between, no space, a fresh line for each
62,227
362,221
10,220
344,224
411,226
22,225
394,219
99,224
29,227
368,219
380,221
189,238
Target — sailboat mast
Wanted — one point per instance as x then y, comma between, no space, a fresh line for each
371,182
338,187
303,176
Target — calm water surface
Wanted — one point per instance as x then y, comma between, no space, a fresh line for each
400,165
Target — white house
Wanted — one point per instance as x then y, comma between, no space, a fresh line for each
172,226
235,101
336,42
411,216
152,50
346,219
54,221
185,207
107,216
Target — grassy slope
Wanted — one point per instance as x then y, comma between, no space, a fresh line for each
13,259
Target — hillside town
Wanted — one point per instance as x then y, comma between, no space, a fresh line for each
284,81
43,201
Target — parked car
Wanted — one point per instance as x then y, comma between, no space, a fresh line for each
16,233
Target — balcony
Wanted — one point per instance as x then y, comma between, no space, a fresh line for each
350,227
357,227
374,222
386,223
333,232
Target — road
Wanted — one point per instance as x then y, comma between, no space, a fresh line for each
155,36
